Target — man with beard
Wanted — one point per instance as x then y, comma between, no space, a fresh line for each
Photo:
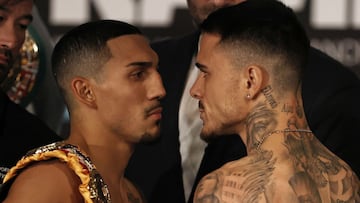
179,159
249,84
107,73
20,131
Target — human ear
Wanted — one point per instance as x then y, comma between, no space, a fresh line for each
83,91
254,79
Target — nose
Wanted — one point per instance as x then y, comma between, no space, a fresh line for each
9,38
196,89
157,91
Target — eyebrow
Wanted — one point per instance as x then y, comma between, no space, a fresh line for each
28,17
143,64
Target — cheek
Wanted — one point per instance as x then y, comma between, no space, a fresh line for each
226,102
215,102
20,39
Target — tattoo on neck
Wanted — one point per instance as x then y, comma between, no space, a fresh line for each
269,97
259,123
299,111
287,109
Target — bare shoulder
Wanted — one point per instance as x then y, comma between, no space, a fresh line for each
242,180
263,177
45,181
134,194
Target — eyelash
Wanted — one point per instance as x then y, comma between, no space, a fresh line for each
23,26
138,74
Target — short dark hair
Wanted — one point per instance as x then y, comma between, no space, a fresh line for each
270,29
83,50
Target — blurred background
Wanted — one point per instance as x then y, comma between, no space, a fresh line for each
333,26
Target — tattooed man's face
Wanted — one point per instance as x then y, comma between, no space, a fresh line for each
222,100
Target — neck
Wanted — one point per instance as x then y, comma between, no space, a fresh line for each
258,144
109,154
266,119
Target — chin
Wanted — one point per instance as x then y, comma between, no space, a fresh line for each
150,137
208,135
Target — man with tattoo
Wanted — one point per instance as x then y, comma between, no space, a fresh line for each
108,75
251,60
180,158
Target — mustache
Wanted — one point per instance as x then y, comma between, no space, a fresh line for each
201,106
153,108
7,53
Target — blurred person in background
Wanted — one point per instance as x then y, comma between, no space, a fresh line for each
20,130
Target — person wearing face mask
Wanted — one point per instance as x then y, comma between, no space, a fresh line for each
20,131
180,158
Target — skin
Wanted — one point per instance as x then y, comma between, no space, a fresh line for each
15,17
219,90
107,121
285,166
200,9
283,171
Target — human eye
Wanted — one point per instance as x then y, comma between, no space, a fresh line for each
23,25
2,18
138,75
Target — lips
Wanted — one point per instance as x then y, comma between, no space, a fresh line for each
201,107
155,112
201,110
5,56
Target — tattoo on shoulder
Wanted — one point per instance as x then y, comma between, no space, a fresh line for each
247,183
317,168
207,188
239,182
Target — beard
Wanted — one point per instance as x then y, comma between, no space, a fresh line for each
216,132
6,66
209,137
4,70
150,138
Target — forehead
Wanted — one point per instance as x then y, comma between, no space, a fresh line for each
212,55
20,7
13,3
208,44
133,47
